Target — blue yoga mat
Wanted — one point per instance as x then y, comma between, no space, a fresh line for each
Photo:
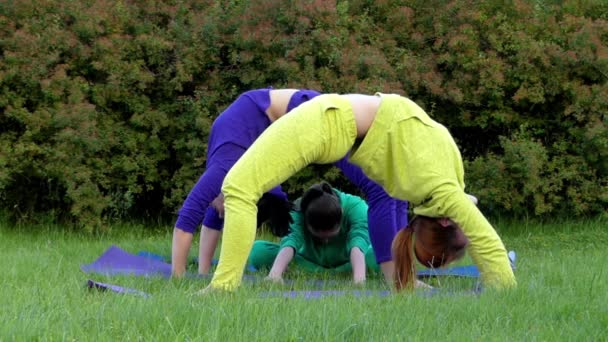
326,293
470,271
250,268
117,261
306,294
362,293
151,255
458,271
91,284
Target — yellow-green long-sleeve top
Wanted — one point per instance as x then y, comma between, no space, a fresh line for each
413,157
353,233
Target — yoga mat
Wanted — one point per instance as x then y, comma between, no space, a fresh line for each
512,259
250,268
318,294
305,294
361,293
91,284
325,293
151,255
461,271
458,271
116,261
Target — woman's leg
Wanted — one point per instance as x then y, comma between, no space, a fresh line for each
207,245
319,131
191,215
385,215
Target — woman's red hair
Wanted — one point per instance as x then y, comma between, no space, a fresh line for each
437,242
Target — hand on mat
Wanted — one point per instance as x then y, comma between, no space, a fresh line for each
207,291
275,279
359,280
422,285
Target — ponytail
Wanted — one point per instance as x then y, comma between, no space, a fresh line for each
403,256
309,196
316,191
321,207
327,188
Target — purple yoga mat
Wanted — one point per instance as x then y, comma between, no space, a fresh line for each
458,271
117,261
325,293
363,293
91,284
461,271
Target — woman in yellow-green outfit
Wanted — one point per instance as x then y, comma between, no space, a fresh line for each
397,145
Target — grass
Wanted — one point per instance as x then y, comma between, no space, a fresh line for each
562,295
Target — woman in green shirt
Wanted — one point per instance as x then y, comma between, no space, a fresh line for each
329,232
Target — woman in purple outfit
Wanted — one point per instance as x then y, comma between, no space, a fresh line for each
231,135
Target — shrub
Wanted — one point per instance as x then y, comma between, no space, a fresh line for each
106,106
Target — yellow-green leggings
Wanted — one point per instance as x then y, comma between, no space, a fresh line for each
320,131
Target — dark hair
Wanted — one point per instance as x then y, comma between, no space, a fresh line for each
435,245
321,207
277,212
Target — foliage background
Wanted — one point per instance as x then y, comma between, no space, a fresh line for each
105,106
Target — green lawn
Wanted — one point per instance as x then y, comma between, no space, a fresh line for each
562,295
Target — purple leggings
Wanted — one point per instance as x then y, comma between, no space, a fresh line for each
385,215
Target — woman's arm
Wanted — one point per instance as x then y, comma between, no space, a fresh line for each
355,214
191,215
179,251
280,264
207,246
357,260
289,247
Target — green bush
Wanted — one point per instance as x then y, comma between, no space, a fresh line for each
106,106
524,180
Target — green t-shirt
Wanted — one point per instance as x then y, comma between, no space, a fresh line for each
353,233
